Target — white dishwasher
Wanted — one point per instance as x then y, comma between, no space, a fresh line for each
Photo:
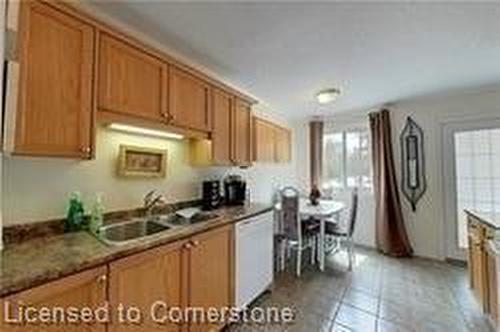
254,257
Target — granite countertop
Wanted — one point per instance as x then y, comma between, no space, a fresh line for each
34,262
491,220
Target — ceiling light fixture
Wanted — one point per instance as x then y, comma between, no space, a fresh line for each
144,131
327,96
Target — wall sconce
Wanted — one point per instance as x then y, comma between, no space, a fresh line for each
413,179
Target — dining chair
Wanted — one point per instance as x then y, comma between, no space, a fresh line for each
342,231
279,234
299,234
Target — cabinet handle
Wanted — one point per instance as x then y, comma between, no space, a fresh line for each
195,243
188,246
86,149
102,279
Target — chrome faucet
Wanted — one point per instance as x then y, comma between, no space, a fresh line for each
153,199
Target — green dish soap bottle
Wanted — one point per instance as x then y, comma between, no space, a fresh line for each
75,216
97,215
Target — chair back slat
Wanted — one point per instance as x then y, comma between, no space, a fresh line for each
353,211
290,212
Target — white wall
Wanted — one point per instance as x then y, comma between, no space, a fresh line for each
426,227
36,189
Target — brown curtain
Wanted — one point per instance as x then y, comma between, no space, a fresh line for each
316,150
391,236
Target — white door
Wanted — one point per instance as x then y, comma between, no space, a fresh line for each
471,175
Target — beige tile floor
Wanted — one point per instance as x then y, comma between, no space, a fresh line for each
381,294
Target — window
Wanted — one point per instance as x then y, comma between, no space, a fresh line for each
346,162
477,162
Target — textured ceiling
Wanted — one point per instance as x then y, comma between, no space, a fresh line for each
283,53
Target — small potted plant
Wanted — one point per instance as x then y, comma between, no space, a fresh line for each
315,195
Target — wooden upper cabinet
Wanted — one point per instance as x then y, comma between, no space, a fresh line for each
83,290
211,281
145,278
241,135
271,143
283,145
264,134
130,81
189,104
222,108
54,115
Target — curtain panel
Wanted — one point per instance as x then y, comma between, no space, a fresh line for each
391,236
316,152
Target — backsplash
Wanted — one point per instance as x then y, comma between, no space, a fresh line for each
36,189
23,232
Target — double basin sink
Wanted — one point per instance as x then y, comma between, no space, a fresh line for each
140,228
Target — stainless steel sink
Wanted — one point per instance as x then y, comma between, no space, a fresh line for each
129,231
138,229
176,220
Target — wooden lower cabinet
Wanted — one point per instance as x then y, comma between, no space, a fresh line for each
211,273
493,261
477,261
196,272
479,273
148,281
85,289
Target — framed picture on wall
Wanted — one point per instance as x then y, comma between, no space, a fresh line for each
136,161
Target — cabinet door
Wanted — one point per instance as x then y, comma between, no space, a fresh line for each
478,273
283,145
221,135
131,81
188,100
264,141
241,132
54,117
83,290
493,286
211,271
142,280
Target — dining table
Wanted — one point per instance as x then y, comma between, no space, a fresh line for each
327,210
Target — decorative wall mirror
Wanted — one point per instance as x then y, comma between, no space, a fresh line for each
413,179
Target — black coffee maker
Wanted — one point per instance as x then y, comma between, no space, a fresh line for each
211,194
234,190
